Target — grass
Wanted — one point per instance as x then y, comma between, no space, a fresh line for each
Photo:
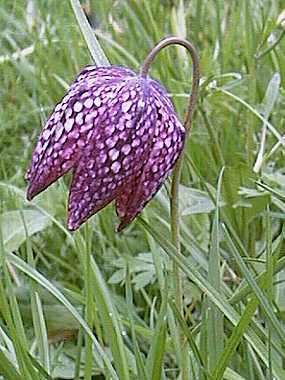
101,305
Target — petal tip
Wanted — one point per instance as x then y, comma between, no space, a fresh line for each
119,228
72,226
29,197
122,225
30,193
73,223
27,175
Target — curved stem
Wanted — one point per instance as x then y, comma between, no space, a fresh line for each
196,71
174,201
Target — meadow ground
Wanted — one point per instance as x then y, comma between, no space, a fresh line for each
101,305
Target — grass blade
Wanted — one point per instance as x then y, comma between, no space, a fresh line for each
138,355
215,317
237,335
271,96
154,363
7,369
255,288
190,338
34,274
110,321
94,47
217,298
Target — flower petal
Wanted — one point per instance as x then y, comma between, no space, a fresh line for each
72,123
167,146
102,74
117,150
92,188
120,134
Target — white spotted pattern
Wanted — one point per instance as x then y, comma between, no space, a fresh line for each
120,135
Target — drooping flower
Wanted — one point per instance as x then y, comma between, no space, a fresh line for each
120,135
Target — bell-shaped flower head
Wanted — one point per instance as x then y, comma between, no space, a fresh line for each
120,135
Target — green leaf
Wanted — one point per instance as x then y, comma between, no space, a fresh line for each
154,364
40,330
140,362
237,335
8,369
255,288
230,374
215,317
244,289
188,334
270,98
22,195
217,298
40,279
13,229
110,321
193,201
93,45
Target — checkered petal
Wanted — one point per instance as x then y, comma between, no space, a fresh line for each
120,135
167,144
71,125
120,144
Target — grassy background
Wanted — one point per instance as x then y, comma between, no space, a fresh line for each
101,305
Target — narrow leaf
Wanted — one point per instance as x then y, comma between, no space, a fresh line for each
93,45
40,279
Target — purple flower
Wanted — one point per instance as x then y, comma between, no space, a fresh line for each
119,133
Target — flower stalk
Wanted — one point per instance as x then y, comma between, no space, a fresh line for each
174,198
174,201
120,135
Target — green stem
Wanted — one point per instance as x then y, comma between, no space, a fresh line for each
174,201
175,231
